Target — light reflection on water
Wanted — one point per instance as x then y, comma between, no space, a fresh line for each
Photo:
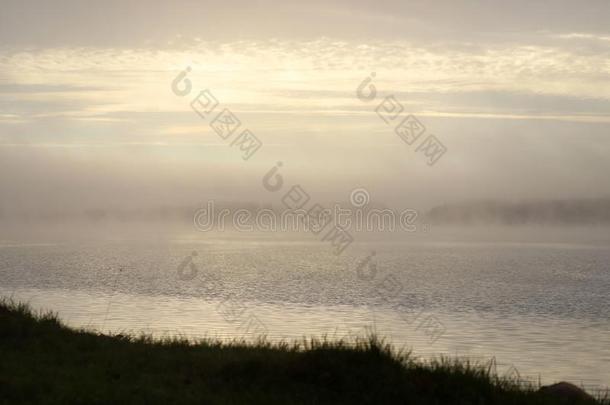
541,308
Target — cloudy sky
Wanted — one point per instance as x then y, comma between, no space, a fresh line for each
517,92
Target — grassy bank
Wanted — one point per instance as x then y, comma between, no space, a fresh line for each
42,361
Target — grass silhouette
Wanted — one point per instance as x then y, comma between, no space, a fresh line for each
43,361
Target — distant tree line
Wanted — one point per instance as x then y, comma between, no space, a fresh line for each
575,211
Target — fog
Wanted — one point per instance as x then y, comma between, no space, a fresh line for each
91,128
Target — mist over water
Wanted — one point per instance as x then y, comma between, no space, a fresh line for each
455,156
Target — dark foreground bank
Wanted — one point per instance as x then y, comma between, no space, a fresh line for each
42,361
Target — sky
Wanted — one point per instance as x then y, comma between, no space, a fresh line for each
517,93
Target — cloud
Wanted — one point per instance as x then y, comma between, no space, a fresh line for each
127,23
519,99
307,76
